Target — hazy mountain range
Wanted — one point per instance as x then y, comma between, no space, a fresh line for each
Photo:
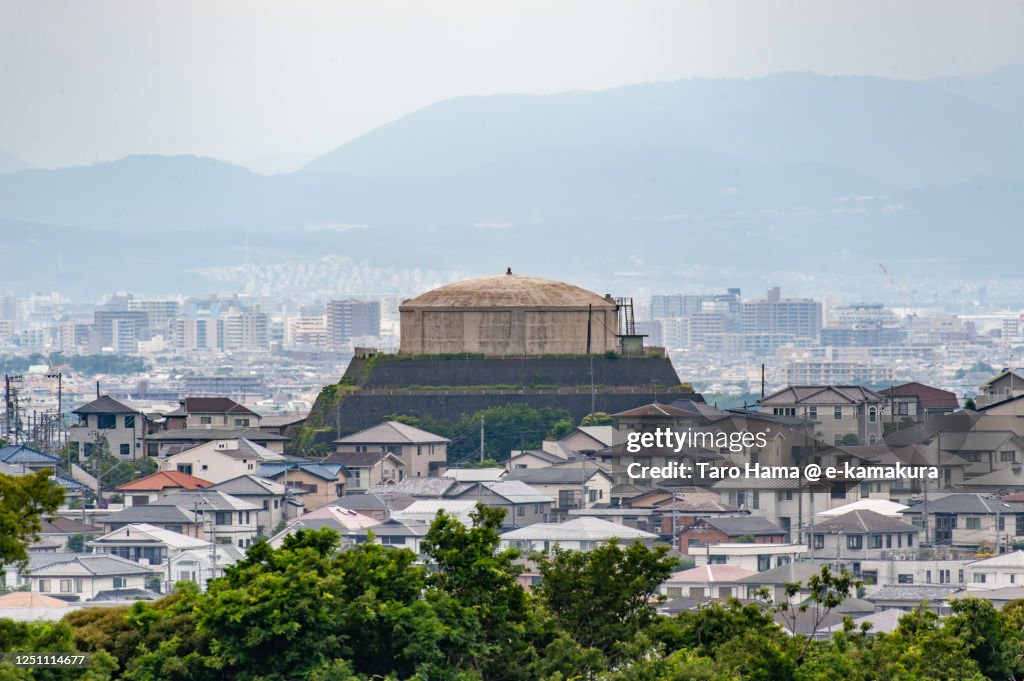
664,181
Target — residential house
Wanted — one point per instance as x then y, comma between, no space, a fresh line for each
996,572
221,460
845,414
210,413
59,531
83,577
222,517
1007,385
422,454
164,516
123,427
272,502
908,597
376,506
315,483
163,444
145,543
199,566
396,534
366,469
475,474
748,555
426,510
985,451
157,485
704,532
523,504
706,581
933,567
536,458
967,521
345,522
24,459
774,582
917,402
573,486
579,534
851,538
583,440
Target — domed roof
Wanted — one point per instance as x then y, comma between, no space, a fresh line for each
508,290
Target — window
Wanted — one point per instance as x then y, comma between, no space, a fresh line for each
185,468
1007,456
419,450
223,518
360,449
720,560
812,413
764,563
79,585
106,421
44,585
129,421
186,576
205,420
869,576
520,511
905,579
903,409
838,490
755,501
120,582
784,496
242,422
979,578
872,415
943,576
910,539
819,541
537,508
855,541
126,450
266,504
973,524
837,440
837,413
876,541
65,586
960,576
784,411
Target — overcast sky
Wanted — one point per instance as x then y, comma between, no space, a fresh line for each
271,85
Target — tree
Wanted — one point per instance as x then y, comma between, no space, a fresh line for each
597,418
827,591
603,596
480,582
23,501
849,440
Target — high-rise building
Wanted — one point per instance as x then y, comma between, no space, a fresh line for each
246,330
348,319
799,317
103,324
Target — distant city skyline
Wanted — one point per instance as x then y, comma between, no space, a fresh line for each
271,87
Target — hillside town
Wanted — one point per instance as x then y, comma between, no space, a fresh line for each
170,479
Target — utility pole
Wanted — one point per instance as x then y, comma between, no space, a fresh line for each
481,439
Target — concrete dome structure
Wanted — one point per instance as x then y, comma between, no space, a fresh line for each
508,315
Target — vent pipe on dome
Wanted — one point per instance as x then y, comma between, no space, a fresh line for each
509,271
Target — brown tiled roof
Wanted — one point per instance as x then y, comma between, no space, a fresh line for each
105,405
215,405
655,409
931,398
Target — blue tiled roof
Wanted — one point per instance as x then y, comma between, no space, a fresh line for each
25,454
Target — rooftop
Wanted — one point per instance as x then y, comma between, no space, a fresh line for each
161,480
392,433
508,291
585,528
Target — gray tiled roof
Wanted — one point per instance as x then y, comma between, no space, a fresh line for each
978,504
912,593
249,485
206,499
105,405
96,564
207,434
784,574
154,514
737,526
863,521
393,433
555,475
25,454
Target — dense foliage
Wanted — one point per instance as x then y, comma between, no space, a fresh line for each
24,501
507,427
90,365
310,610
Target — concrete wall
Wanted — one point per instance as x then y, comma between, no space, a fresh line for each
516,331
